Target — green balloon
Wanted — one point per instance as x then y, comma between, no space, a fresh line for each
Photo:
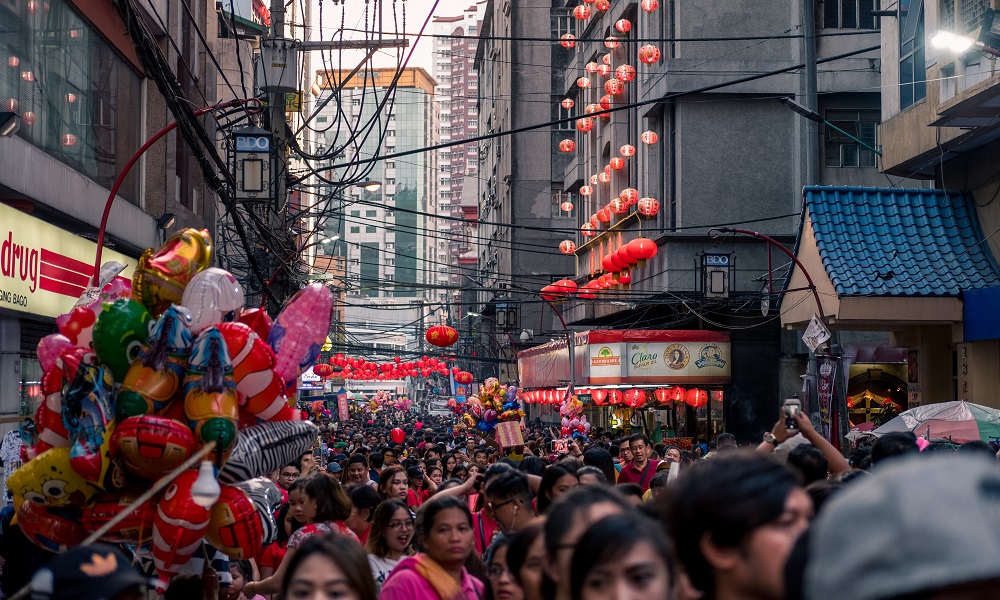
121,332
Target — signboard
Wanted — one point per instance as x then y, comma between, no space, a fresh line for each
816,334
679,362
605,361
342,407
43,269
826,380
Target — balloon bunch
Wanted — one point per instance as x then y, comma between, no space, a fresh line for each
137,382
360,369
574,423
495,403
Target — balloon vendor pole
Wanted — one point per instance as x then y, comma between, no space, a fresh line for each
157,487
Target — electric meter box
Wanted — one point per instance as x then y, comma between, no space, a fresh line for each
277,69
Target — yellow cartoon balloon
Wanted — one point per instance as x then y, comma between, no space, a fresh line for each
161,276
50,480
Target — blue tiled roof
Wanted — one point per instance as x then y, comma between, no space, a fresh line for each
898,242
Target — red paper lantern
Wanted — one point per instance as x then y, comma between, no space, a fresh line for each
599,396
323,370
614,87
548,293
642,248
591,108
617,163
615,397
464,377
629,196
617,262
606,59
677,394
625,277
581,12
649,137
593,180
623,25
583,83
628,150
611,42
602,5
618,206
648,207
441,336
587,230
604,177
586,190
567,146
696,397
567,246
585,124
594,222
625,73
568,40
606,103
566,206
662,395
635,398
566,286
649,54
591,67
604,215
567,103
649,5
586,291
603,70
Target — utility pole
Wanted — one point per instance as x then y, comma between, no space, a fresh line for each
812,162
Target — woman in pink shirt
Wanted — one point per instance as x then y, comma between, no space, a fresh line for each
444,531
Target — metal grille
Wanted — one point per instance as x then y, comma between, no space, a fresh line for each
972,12
947,15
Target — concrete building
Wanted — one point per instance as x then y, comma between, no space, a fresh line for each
85,106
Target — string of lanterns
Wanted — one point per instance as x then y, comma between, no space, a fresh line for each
629,398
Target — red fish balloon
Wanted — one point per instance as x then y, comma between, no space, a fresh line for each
260,390
178,526
135,528
52,529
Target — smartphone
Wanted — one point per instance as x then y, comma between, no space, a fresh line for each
560,446
790,408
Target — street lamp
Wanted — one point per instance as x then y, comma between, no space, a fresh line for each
370,185
9,123
817,118
986,38
331,239
958,44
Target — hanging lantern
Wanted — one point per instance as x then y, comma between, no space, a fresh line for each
567,246
662,395
606,265
696,398
677,394
586,292
611,42
629,196
607,169
606,59
635,398
606,103
568,40
594,222
323,370
567,146
628,150
649,54
593,180
603,70
548,293
602,5
626,257
617,264
623,25
604,177
591,108
604,215
586,190
617,163
649,137
566,286
566,206
614,87
642,249
441,336
648,207
625,277
649,5
567,103
582,12
585,124
615,397
591,67
583,83
587,230
464,378
625,73
599,396
617,206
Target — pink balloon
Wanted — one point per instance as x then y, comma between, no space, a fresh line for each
300,330
50,347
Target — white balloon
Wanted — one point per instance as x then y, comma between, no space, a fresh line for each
212,297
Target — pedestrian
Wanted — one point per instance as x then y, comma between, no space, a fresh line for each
641,469
526,558
444,530
501,584
364,499
420,486
92,571
242,573
329,567
592,476
390,539
509,500
393,483
622,557
356,472
557,481
275,552
601,459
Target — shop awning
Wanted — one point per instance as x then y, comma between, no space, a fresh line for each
981,314
646,356
882,256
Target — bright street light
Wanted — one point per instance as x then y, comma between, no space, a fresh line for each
332,238
370,185
952,41
473,314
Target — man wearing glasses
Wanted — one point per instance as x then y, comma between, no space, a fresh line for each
509,500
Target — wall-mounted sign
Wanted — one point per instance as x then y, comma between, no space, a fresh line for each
691,362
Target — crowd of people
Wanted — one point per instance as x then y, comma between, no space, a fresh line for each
448,515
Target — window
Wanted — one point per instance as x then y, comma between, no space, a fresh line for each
321,119
390,164
356,229
355,213
849,14
370,213
558,198
369,229
842,151
562,22
356,102
912,69
473,30
971,13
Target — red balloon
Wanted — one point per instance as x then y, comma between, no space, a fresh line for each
235,528
398,435
178,525
152,446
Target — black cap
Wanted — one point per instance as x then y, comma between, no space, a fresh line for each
414,472
95,571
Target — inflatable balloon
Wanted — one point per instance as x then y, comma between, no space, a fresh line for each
50,480
259,389
121,331
136,528
210,392
258,320
87,415
152,446
266,500
178,526
78,325
398,435
155,378
50,348
213,296
266,447
300,331
52,529
235,526
49,429
161,276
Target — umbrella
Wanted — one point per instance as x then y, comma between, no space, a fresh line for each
959,421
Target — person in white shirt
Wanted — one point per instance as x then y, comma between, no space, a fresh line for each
390,538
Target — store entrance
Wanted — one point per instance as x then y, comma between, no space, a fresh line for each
875,394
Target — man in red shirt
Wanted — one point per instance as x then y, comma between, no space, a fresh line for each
641,470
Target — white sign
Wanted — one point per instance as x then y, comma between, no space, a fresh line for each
679,362
816,334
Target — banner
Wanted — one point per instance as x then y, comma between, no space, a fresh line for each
342,405
827,367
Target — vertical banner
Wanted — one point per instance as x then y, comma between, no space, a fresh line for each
825,393
342,411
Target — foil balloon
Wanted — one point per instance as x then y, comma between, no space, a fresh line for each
213,296
51,529
151,446
178,526
78,325
210,391
266,499
50,348
121,331
161,276
135,528
259,389
266,447
258,320
235,527
50,431
300,331
155,378
86,412
50,480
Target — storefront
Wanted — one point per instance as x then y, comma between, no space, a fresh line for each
670,384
